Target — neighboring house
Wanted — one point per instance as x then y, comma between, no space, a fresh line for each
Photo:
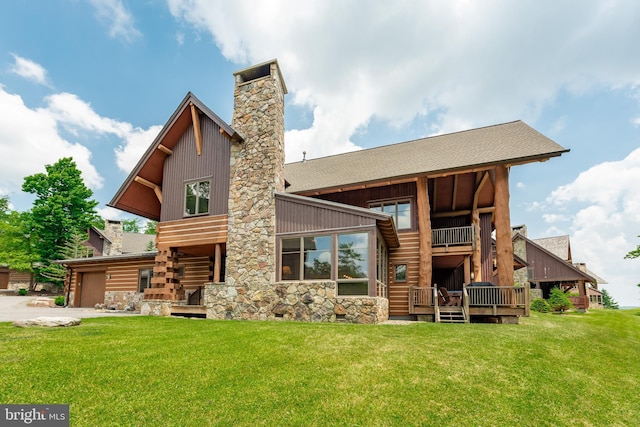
356,237
549,265
13,279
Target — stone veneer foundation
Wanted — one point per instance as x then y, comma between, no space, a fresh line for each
297,301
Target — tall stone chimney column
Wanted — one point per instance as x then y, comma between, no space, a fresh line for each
257,172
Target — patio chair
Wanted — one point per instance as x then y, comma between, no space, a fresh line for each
444,296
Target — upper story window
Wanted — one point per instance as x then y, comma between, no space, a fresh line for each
400,209
197,195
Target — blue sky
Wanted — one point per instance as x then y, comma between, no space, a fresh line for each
97,79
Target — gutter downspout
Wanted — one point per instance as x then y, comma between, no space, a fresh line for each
69,288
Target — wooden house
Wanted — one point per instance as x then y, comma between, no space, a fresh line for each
399,230
549,265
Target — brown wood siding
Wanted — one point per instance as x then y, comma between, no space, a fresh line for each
547,268
296,217
197,272
407,253
486,255
362,197
123,276
193,231
19,276
185,165
4,278
96,242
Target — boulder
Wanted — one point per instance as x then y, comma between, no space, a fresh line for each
47,322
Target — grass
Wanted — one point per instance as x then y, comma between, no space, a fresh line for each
551,370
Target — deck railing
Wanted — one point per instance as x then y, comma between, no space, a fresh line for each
505,296
473,296
453,236
381,289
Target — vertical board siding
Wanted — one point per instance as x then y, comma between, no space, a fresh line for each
486,252
409,253
185,165
296,217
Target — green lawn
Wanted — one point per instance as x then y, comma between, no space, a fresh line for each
575,369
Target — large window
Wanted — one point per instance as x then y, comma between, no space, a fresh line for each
197,197
353,264
340,257
399,209
306,258
144,279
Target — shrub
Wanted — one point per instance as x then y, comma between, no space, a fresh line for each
540,305
559,301
23,292
59,301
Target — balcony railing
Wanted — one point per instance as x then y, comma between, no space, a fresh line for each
453,236
381,289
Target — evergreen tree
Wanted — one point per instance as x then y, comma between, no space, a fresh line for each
608,301
559,301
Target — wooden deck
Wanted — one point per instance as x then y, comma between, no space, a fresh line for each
478,301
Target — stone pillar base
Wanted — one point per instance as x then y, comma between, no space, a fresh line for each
156,308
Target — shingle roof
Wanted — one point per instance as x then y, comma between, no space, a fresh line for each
136,242
557,245
512,143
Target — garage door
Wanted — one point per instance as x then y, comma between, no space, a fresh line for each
92,288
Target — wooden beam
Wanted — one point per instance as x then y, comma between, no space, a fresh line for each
155,187
502,221
435,197
476,256
195,119
216,263
165,150
476,194
455,192
425,269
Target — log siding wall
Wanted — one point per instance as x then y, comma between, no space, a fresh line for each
193,231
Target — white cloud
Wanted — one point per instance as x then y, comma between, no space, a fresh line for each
606,202
118,18
135,144
29,139
458,64
29,70
520,185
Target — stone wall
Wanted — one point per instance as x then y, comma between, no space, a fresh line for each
130,300
295,301
256,173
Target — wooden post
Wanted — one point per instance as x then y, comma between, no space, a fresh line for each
504,246
467,270
425,270
216,264
476,255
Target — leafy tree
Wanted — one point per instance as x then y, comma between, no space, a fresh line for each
608,301
63,207
131,225
634,254
151,227
348,259
15,238
559,301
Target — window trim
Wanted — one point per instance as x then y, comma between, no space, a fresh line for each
381,203
140,277
406,272
184,197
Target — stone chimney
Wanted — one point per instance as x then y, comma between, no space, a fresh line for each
257,172
113,230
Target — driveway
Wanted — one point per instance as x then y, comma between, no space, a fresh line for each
15,308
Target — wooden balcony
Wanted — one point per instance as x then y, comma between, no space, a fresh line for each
453,236
489,301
